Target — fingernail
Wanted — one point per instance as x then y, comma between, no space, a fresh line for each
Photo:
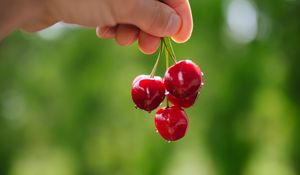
173,24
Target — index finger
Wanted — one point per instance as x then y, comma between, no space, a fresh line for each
182,7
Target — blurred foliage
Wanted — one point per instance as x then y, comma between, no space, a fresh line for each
66,109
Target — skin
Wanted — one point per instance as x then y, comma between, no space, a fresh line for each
126,21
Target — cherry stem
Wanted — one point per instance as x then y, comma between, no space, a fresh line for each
157,60
167,66
170,42
169,48
168,39
167,60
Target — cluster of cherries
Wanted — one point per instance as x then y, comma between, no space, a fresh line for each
181,85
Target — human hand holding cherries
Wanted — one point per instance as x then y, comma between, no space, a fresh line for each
181,85
123,20
127,21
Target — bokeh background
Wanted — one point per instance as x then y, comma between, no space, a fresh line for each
66,109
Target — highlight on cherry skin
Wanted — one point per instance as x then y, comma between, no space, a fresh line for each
147,92
171,123
137,78
183,79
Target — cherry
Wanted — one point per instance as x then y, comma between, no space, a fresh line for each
183,102
183,79
147,92
171,123
138,78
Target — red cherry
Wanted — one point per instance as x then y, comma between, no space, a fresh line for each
183,79
147,93
171,123
183,102
138,78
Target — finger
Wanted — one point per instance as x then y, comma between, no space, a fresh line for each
182,7
106,32
37,25
126,34
153,17
148,44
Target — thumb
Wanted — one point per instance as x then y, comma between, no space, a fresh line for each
153,17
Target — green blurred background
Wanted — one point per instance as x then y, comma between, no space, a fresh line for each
66,108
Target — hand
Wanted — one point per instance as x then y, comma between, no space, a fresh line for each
148,30
124,20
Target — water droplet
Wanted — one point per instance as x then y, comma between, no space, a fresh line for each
202,74
169,141
202,83
156,131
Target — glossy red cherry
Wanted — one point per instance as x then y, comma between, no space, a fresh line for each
171,123
147,93
138,78
183,79
185,102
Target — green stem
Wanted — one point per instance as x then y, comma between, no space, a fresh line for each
169,49
170,53
167,66
167,60
157,60
170,43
